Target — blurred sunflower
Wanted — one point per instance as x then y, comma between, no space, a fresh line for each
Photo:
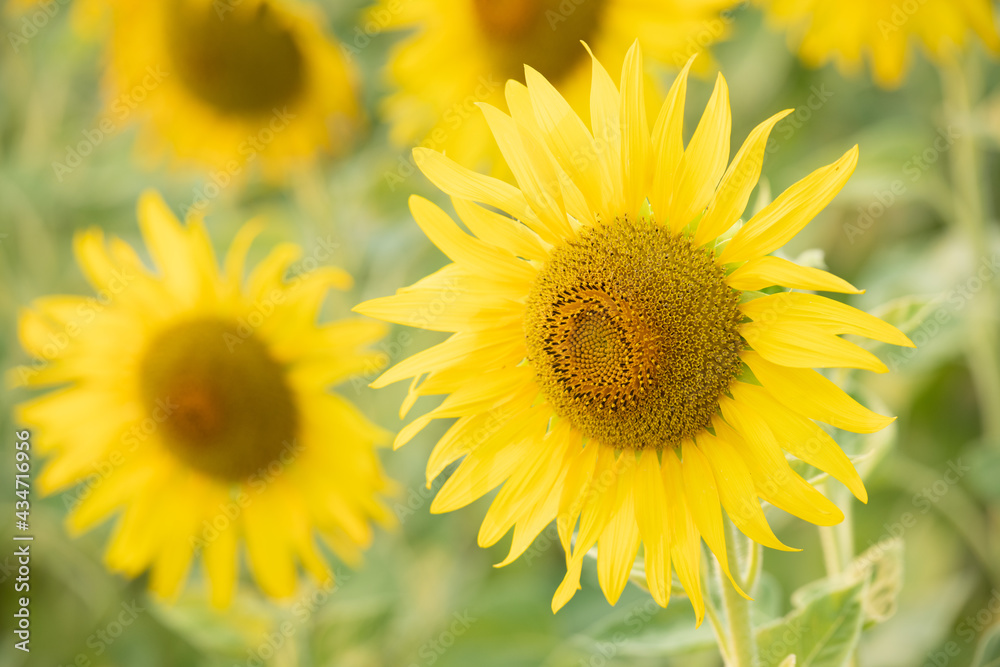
611,364
88,15
225,82
197,405
462,52
882,30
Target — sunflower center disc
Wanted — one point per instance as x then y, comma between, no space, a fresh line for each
238,62
221,401
545,34
632,332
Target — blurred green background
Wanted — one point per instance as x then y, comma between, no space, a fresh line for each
427,594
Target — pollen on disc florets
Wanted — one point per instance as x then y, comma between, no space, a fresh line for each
633,334
221,401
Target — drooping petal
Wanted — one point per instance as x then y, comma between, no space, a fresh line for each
810,394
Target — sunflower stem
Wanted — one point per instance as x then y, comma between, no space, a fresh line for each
742,643
965,165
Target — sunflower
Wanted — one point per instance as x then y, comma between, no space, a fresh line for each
612,363
847,31
196,404
224,82
462,52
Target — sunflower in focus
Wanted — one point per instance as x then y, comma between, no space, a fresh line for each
195,404
882,30
225,82
613,364
460,53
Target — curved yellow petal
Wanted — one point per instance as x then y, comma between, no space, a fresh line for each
825,313
785,217
668,144
810,394
619,541
737,183
807,346
685,542
704,160
767,271
652,517
636,145
702,494
737,491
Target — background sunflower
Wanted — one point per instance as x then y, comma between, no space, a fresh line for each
428,593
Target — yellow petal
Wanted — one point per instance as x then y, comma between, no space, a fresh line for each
268,543
685,542
702,495
468,250
636,145
457,181
619,541
567,137
767,271
825,313
605,120
579,473
807,346
651,516
738,182
501,231
783,218
492,462
222,565
809,393
668,144
737,491
704,160
531,168
803,439
775,480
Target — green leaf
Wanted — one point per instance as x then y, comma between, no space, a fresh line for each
822,633
788,662
988,651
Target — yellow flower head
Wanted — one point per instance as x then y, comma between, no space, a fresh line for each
231,84
462,51
611,365
195,404
881,30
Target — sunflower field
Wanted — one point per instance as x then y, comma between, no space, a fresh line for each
500,333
